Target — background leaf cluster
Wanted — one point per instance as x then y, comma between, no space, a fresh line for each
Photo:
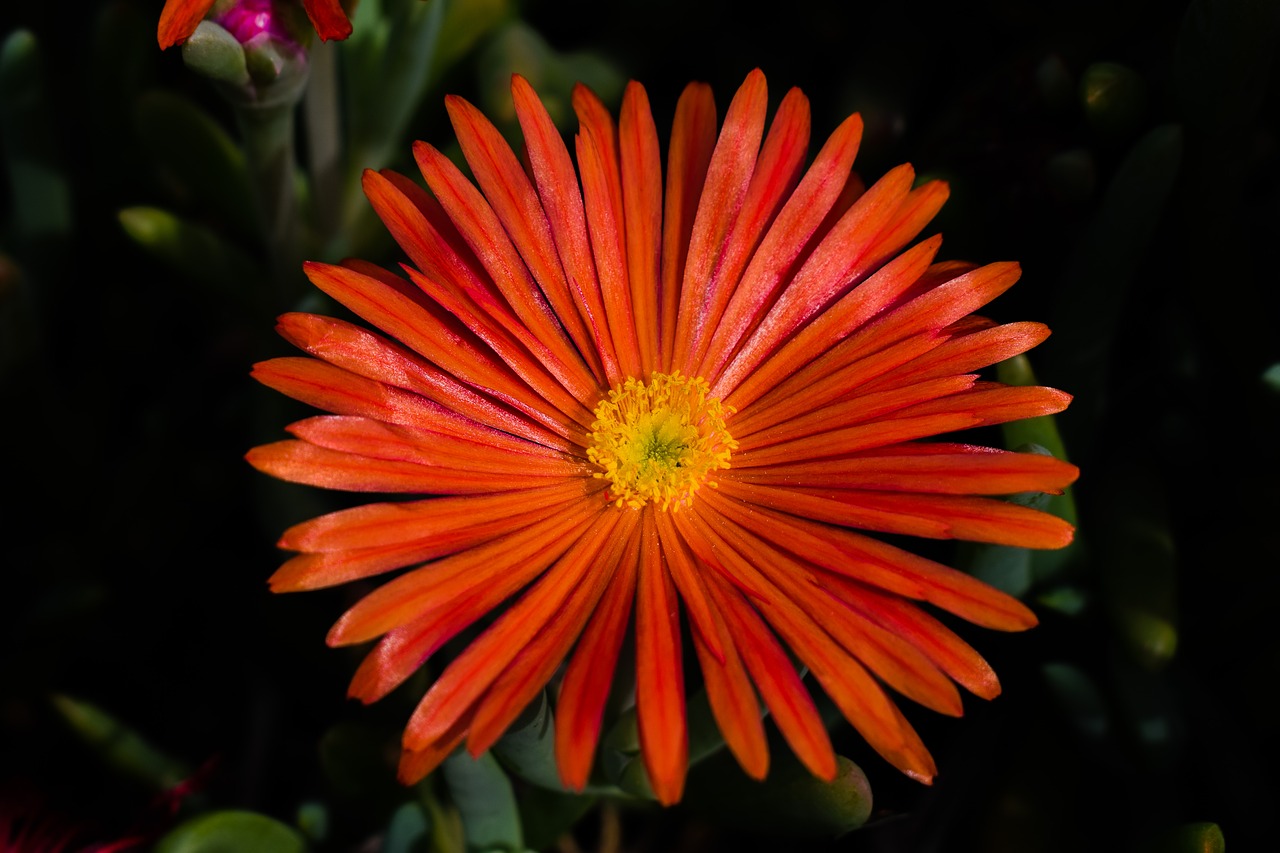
1126,154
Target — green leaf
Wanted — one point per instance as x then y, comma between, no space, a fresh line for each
40,196
1080,700
407,826
790,801
485,801
546,815
527,748
1203,837
517,47
232,832
1115,99
705,740
197,252
1039,434
1095,286
120,746
389,58
215,53
353,757
1137,564
203,166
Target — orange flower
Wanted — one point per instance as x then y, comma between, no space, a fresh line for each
619,397
179,18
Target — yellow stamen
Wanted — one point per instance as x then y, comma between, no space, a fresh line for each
659,441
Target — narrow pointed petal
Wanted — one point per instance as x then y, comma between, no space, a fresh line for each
882,565
587,679
561,198
483,231
826,384
733,702
410,532
597,147
641,166
847,253
179,19
515,202
854,409
940,644
780,686
329,18
664,742
500,568
965,352
358,351
942,469
894,661
693,139
539,659
803,214
471,673
834,325
773,178
415,764
687,577
728,179
441,339
863,703
926,516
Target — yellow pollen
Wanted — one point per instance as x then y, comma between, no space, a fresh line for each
658,442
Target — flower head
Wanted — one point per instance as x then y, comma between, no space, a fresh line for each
247,18
613,396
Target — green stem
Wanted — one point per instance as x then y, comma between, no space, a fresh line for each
323,124
267,130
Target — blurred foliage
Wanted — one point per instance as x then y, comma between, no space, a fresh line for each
1126,154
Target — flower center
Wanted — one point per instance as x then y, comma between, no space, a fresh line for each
659,441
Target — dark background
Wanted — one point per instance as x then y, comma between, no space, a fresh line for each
136,542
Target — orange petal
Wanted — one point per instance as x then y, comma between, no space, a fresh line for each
854,409
597,147
842,258
471,673
882,565
811,344
415,764
587,679
688,581
561,198
534,324
664,742
774,176
896,662
329,18
497,568
693,139
780,686
179,19
928,516
375,538
641,171
733,702
504,227
402,311
539,659
727,181
951,654
967,352
823,382
804,212
859,697
954,469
